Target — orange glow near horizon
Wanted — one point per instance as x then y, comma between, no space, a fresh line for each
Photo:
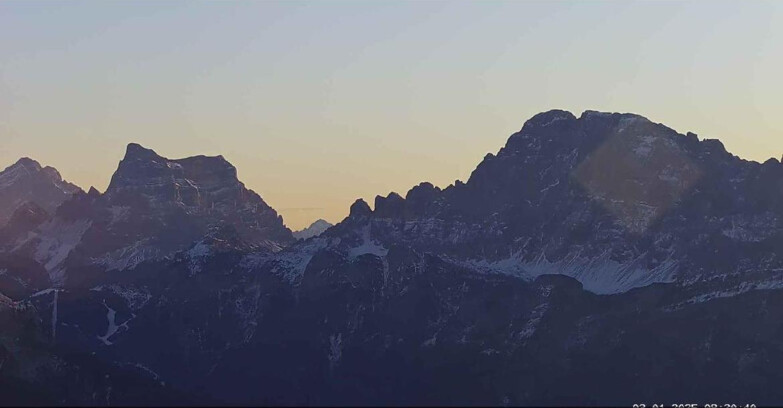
318,104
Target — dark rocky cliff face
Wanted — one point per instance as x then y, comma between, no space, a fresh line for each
599,260
204,188
152,208
646,203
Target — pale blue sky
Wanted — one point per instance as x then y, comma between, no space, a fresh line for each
319,103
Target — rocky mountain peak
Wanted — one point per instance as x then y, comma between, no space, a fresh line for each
360,208
27,181
393,205
135,151
419,197
139,166
547,118
27,164
315,229
616,187
192,182
144,169
24,167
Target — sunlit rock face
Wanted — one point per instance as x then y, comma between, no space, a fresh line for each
26,181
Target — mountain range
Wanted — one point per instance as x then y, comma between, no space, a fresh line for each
595,260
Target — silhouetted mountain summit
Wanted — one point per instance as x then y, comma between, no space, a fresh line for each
316,228
617,189
26,181
152,208
200,186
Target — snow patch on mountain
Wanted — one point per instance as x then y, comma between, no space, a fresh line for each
135,298
113,327
110,316
57,239
741,288
368,246
292,262
128,257
600,275
43,292
532,324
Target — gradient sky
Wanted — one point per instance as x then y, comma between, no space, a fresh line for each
317,104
